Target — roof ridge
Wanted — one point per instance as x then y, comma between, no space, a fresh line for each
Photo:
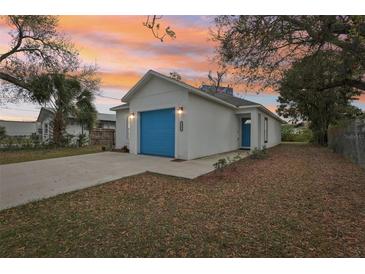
180,81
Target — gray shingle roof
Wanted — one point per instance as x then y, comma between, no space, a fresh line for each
238,102
99,116
105,117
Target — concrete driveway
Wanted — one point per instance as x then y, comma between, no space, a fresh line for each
28,181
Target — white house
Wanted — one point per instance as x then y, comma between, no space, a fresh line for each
165,117
45,120
19,128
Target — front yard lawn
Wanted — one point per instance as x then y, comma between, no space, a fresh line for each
17,156
300,201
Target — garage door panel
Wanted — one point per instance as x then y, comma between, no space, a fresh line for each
158,132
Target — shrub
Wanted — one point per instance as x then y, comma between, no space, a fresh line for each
2,132
289,133
259,153
82,140
19,142
223,162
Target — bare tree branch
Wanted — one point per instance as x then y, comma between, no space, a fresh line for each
155,28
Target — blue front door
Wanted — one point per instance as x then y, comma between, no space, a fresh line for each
158,132
246,134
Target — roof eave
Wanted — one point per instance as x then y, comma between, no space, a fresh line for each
131,92
249,106
151,73
272,114
119,107
267,111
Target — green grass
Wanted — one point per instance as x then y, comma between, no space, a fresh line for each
9,157
289,134
299,201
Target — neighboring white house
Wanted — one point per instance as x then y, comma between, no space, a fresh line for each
45,120
165,117
19,128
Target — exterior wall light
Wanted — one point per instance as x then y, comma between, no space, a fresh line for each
131,115
180,110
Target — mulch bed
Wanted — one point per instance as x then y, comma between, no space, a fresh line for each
300,201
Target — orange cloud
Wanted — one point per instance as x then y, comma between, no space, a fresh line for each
119,79
124,50
121,43
130,28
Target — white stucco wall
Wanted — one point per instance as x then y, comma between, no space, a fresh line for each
160,94
208,127
257,128
213,128
274,131
121,131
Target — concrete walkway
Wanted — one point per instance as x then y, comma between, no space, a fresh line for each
24,182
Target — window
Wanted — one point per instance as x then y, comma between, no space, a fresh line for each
266,129
46,129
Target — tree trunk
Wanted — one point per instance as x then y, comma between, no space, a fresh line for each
322,136
322,140
58,128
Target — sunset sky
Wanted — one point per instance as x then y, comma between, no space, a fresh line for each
124,50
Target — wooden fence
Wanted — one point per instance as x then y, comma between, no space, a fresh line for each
102,136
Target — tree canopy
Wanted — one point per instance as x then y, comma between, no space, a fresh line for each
36,48
302,96
262,48
69,98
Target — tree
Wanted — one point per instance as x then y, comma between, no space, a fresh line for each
2,132
216,81
155,27
262,48
85,110
175,75
302,96
69,95
36,48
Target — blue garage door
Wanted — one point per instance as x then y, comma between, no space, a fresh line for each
158,132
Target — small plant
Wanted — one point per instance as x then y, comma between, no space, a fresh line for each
259,153
82,140
36,139
223,162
